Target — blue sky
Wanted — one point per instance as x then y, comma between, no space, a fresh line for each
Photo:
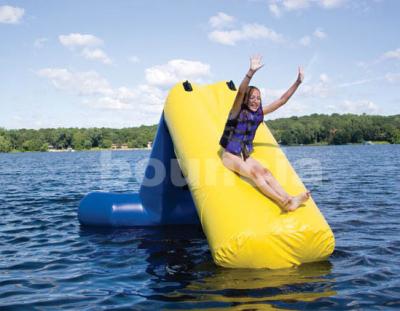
111,63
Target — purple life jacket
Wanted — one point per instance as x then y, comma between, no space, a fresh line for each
239,132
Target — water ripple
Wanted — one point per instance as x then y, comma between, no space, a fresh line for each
48,261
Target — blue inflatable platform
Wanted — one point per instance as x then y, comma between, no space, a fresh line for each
157,203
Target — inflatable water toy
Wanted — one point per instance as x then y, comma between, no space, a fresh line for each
244,229
163,203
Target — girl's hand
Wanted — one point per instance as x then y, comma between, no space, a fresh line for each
300,76
255,62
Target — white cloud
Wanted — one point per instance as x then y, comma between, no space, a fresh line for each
152,97
321,89
326,90
276,6
221,20
389,55
318,33
392,77
359,82
39,43
86,42
333,87
140,104
275,10
80,83
247,32
357,106
79,40
305,41
225,37
10,14
315,90
331,4
297,107
175,71
392,54
272,94
96,54
323,77
144,101
143,97
134,59
293,107
296,4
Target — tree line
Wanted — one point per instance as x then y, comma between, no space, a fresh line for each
336,129
312,129
76,138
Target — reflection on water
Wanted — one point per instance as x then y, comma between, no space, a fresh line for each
184,275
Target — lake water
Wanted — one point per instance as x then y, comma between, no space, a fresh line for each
49,262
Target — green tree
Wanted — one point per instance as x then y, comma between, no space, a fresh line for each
132,144
63,138
106,143
95,136
44,147
394,136
33,145
80,140
5,144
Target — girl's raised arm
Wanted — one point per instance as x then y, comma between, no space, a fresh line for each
255,64
285,97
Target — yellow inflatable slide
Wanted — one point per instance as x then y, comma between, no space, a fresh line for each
244,228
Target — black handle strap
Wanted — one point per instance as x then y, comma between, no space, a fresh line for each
231,85
187,86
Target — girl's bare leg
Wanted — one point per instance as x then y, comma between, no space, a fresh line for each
293,201
269,178
248,170
270,192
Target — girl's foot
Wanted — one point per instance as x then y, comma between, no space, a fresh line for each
297,201
286,202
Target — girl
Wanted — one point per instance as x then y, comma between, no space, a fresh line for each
244,118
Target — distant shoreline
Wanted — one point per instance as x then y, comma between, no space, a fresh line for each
73,150
131,149
313,130
378,142
96,149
